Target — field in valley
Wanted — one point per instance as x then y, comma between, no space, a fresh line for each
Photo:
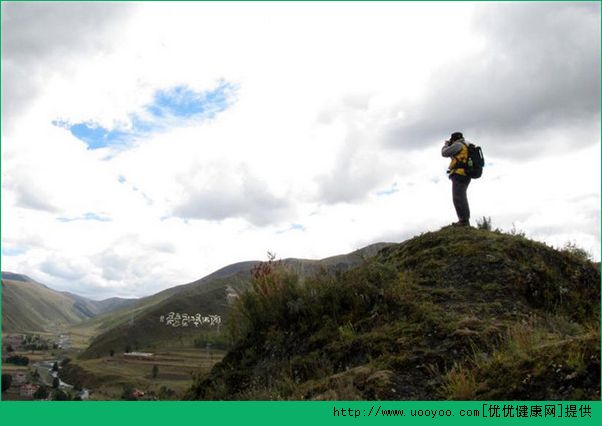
109,376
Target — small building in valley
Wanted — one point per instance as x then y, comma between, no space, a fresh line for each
28,390
138,355
83,394
137,393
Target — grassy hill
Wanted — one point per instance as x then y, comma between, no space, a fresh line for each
138,326
28,306
453,314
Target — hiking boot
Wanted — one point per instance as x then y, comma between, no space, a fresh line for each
461,223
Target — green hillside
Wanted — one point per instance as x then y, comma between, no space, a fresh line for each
453,314
28,306
138,326
124,315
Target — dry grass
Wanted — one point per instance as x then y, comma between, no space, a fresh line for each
460,384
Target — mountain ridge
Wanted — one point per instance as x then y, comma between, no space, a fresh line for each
30,306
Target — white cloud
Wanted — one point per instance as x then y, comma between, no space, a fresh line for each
538,69
302,163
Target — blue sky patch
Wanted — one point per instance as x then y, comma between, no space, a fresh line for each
392,190
95,136
12,251
169,108
182,102
293,227
87,216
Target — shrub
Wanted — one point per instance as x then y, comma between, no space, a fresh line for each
484,223
265,303
128,394
41,393
59,395
166,393
574,250
280,300
516,232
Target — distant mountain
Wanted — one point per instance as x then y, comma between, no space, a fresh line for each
29,306
91,308
138,325
16,277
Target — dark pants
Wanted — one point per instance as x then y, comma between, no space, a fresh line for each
459,187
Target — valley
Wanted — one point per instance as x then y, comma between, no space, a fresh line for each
165,374
181,330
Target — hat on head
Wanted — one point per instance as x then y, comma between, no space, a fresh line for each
455,136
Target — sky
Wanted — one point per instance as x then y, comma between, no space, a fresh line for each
146,145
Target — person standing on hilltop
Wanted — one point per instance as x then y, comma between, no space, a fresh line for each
457,149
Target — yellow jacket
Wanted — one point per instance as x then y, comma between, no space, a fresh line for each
458,151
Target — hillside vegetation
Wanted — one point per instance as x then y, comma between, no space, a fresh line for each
452,314
138,326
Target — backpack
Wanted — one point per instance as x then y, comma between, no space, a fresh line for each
475,162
